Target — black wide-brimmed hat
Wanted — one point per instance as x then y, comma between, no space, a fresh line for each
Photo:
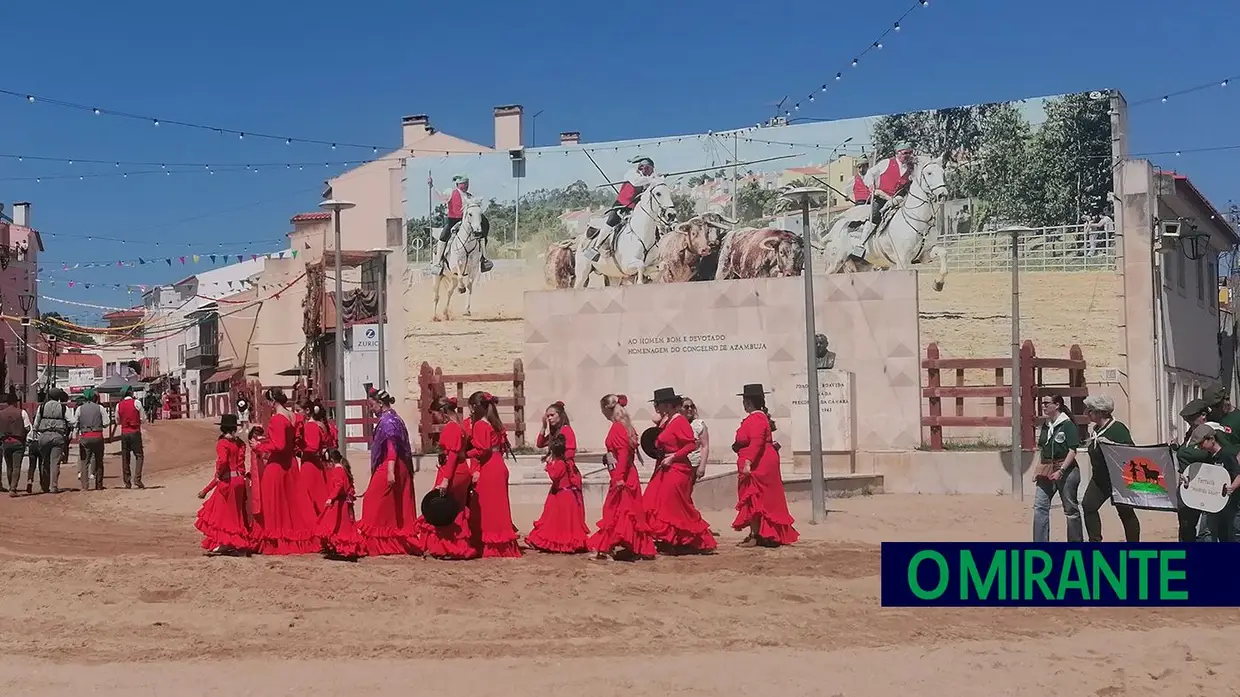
439,509
228,421
663,395
753,389
649,436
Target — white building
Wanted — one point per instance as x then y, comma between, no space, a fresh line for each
182,335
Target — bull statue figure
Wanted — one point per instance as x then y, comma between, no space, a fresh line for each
908,233
760,253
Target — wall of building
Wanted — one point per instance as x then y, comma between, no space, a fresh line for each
278,334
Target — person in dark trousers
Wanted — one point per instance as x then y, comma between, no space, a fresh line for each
51,423
1221,524
32,443
91,420
1197,413
150,403
130,419
12,440
1104,428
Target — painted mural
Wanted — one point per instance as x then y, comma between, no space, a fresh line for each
887,191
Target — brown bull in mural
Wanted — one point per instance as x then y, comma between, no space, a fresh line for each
682,251
760,253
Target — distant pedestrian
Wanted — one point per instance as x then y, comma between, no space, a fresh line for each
13,430
130,419
52,426
32,443
91,421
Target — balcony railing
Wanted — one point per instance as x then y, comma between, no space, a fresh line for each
201,357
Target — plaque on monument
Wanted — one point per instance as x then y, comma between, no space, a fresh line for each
835,395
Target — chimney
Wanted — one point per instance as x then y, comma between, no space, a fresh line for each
415,128
570,137
509,127
21,214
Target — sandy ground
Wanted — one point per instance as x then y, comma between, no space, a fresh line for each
107,594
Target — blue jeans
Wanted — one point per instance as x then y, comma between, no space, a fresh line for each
1067,487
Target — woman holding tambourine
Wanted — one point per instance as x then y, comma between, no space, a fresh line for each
673,519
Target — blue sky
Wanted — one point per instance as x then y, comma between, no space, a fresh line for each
307,70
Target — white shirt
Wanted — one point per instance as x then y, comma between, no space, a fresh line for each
699,428
873,174
638,179
30,437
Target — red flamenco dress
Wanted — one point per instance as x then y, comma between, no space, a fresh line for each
452,541
760,502
389,511
337,528
223,519
314,471
673,518
491,514
562,526
623,524
287,522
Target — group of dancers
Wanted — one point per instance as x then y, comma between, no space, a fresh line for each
297,495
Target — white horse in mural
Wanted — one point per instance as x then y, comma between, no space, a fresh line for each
907,235
630,255
462,260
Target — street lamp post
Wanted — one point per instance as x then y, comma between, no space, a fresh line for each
818,488
53,351
336,207
27,304
381,301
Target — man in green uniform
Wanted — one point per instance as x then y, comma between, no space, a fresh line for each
1105,428
1057,473
1196,413
1224,414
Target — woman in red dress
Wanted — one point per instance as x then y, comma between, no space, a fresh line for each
761,506
255,492
674,520
389,512
491,514
223,519
314,470
337,528
454,478
287,524
555,420
562,526
622,532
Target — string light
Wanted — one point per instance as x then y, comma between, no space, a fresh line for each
1168,96
241,134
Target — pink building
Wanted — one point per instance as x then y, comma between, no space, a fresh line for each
20,246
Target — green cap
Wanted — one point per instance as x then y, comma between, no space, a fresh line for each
88,393
460,178
904,146
126,391
1214,394
1193,409
863,159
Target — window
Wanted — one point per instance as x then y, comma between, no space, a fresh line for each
1181,267
181,355
208,333
1212,278
1201,278
371,275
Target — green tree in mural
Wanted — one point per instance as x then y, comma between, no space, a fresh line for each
420,232
62,332
754,202
1072,158
684,206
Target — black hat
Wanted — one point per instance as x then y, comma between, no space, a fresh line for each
753,390
228,421
649,436
664,395
439,509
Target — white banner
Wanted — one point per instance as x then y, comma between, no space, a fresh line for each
1142,476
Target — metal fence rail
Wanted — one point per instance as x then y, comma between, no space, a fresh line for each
1055,248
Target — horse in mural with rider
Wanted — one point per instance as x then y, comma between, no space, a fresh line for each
899,232
462,260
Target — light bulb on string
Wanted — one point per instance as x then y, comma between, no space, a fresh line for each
155,121
30,98
824,87
241,135
896,26
1224,83
854,63
288,141
97,112
878,45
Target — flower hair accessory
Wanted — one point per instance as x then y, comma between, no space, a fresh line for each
488,398
558,405
450,402
622,400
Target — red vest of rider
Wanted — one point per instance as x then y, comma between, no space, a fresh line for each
627,196
456,205
861,192
893,178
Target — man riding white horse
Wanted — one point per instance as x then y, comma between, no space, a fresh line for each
888,183
456,211
636,180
